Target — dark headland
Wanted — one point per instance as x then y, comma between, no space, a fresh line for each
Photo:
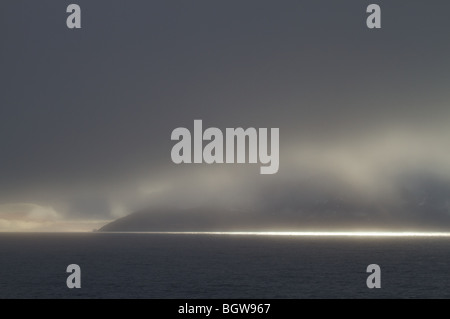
325,214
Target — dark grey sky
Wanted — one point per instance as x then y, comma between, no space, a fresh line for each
86,115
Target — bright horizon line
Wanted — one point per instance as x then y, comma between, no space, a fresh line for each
303,233
259,233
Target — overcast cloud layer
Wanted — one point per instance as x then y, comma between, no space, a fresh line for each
86,115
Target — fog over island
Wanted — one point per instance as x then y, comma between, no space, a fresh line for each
87,115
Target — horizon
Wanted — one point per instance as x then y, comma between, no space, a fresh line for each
317,233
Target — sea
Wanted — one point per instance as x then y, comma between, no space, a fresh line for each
193,266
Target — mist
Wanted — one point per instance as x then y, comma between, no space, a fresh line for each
86,116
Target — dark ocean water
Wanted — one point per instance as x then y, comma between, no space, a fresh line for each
218,266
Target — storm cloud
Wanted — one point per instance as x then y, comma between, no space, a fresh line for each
86,115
